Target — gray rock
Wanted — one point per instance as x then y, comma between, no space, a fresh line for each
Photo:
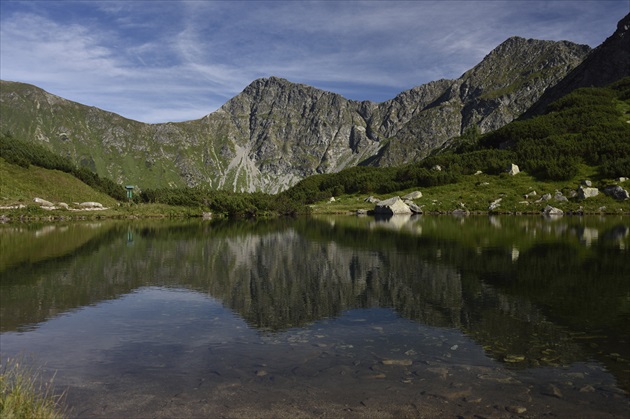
513,169
552,390
371,200
414,208
530,194
586,192
495,204
587,183
545,197
557,196
91,204
549,210
460,212
392,206
43,203
437,168
413,195
616,192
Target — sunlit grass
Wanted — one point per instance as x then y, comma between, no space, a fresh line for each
475,193
24,393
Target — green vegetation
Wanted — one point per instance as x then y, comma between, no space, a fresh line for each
585,135
25,154
233,204
24,394
19,185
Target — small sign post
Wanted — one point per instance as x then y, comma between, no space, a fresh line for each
129,192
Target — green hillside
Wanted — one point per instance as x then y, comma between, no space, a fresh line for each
19,185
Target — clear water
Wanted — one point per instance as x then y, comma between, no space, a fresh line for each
325,317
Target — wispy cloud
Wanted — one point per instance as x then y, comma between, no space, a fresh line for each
177,60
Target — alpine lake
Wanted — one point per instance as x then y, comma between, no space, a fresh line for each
346,316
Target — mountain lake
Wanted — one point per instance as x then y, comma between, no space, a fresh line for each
353,317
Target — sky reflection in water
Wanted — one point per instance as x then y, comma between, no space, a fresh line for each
335,316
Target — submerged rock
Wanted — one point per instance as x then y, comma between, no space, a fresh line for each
403,362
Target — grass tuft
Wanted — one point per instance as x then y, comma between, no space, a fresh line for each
25,394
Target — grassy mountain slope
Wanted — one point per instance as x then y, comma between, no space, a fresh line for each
19,185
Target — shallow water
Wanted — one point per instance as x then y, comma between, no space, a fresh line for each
335,317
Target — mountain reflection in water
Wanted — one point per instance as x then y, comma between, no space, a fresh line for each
527,293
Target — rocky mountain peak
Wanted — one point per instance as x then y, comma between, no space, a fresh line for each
276,132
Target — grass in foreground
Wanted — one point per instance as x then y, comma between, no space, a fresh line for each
24,394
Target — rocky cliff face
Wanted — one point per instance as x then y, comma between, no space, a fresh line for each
276,132
492,94
607,63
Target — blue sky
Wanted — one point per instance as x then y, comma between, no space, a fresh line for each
159,61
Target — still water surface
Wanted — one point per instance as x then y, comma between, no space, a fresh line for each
336,317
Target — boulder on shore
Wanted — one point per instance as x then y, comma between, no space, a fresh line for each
43,202
616,192
414,207
586,192
392,206
549,210
495,204
413,195
91,205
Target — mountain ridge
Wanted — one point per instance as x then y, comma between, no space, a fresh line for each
276,132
